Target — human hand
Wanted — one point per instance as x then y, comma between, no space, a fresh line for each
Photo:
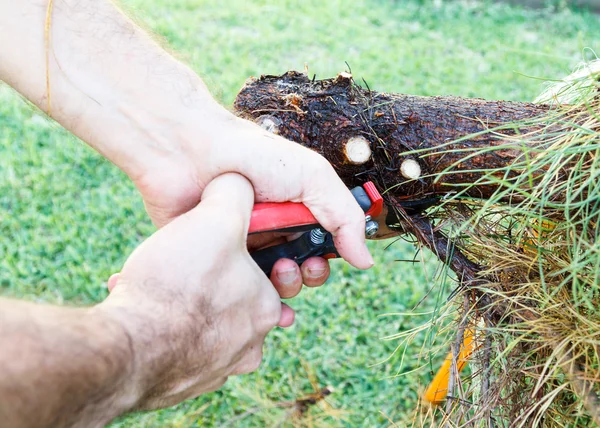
155,119
278,169
195,305
287,277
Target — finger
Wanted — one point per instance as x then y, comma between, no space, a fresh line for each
315,271
293,236
230,193
112,281
224,211
286,278
192,391
287,316
337,211
251,360
214,230
312,181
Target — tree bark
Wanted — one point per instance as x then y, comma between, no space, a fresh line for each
325,115
330,116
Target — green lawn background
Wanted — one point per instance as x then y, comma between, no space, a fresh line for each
68,218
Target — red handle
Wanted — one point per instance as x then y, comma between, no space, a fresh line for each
376,199
274,216
270,216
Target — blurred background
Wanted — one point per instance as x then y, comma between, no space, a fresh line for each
68,218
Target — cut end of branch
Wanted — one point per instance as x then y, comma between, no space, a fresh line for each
269,123
344,78
357,150
410,169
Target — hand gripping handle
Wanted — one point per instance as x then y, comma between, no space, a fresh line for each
299,250
291,217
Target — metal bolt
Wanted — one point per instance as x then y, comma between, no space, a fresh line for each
317,236
371,227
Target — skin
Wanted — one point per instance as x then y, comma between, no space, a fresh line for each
189,307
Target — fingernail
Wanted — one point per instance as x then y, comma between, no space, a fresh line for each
316,272
287,276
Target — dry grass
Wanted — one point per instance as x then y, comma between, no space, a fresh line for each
537,308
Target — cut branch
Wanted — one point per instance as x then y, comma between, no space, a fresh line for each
426,150
370,136
325,115
357,150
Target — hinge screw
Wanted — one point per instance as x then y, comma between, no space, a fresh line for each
317,236
371,227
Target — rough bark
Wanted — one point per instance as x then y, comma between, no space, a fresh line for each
325,114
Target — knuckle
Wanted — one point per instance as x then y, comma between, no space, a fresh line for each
323,164
357,217
255,362
269,318
219,383
271,311
318,162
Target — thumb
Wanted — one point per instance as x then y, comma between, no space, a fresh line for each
232,197
222,216
231,190
215,229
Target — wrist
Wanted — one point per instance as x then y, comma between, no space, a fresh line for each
108,82
155,343
118,342
162,135
62,366
152,128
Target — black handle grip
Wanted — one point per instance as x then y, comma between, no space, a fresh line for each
298,250
303,248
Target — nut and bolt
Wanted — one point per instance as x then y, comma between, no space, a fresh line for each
317,236
371,227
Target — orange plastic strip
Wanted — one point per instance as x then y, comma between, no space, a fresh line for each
438,388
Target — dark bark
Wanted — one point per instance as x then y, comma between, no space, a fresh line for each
323,115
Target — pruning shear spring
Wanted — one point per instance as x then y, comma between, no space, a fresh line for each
293,217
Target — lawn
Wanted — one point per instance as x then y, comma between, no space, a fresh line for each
68,218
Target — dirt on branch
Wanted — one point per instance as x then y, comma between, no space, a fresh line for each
332,116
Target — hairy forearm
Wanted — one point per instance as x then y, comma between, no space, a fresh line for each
62,366
106,80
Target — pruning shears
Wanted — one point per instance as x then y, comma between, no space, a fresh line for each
292,217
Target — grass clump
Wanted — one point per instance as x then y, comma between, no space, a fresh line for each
536,310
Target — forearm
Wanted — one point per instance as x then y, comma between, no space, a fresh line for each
109,83
62,367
